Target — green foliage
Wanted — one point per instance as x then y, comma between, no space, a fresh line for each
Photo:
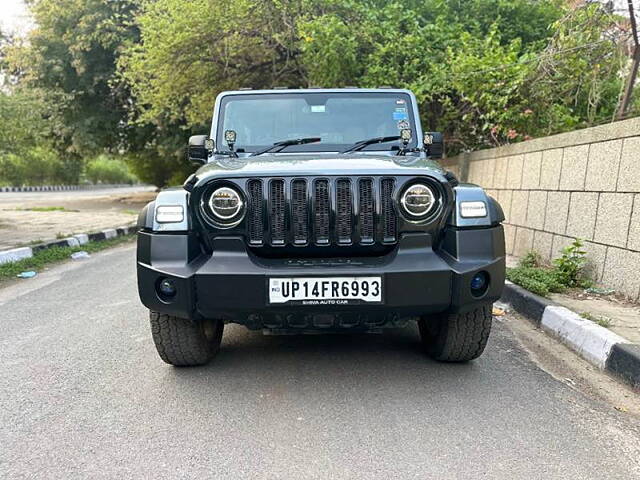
566,271
538,280
104,169
531,259
49,209
70,57
570,265
487,72
601,320
190,51
139,76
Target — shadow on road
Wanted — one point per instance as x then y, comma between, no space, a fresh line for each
336,361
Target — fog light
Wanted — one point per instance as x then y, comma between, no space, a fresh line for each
166,288
479,284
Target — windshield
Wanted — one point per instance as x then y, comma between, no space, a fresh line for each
339,119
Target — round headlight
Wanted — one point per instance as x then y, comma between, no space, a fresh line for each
225,203
418,200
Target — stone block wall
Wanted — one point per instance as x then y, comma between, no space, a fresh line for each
582,184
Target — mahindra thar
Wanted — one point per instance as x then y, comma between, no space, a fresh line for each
319,210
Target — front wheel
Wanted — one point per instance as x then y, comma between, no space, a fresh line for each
182,342
456,337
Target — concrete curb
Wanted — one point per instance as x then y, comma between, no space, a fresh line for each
62,188
596,344
15,254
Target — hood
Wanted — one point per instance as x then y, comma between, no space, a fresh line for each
317,165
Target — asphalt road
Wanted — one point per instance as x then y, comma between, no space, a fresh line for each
28,197
84,395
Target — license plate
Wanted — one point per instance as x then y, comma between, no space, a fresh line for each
325,290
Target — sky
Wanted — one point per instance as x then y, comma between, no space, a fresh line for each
14,16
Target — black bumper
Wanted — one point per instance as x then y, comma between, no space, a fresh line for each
231,283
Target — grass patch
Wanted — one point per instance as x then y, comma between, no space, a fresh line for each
566,271
599,319
539,280
44,258
130,211
47,209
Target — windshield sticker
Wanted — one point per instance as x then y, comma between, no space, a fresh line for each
402,124
400,115
317,108
400,101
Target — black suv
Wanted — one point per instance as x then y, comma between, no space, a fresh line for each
319,210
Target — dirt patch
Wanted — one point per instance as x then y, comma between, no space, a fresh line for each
31,218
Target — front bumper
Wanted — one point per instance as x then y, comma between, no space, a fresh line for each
231,283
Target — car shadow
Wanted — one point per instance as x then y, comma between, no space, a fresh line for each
394,356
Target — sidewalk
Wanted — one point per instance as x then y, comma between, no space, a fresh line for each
619,316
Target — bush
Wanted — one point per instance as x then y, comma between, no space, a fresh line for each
570,265
104,169
35,166
566,272
538,280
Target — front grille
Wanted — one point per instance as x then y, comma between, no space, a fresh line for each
321,211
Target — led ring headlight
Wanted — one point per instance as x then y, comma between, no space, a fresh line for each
225,203
418,200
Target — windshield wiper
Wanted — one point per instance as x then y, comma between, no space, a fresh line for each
278,146
370,141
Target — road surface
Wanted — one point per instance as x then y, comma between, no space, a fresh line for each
37,198
84,395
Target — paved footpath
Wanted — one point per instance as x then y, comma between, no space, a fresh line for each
84,395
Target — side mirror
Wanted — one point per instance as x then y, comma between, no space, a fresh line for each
434,144
200,146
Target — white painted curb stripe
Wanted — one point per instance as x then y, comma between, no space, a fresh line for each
590,340
111,233
72,242
82,238
15,254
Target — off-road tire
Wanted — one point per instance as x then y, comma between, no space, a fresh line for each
182,342
456,337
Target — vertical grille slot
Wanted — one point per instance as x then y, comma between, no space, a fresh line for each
389,219
299,216
365,214
254,214
344,211
277,212
321,211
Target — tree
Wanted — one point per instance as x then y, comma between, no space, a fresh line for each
188,54
71,57
137,77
